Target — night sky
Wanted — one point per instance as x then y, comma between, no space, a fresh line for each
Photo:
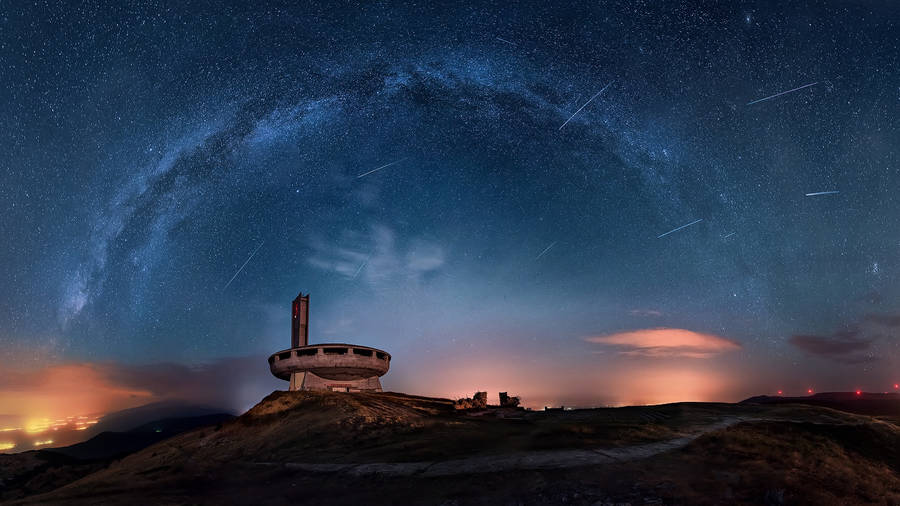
419,171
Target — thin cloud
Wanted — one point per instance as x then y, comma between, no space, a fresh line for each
666,342
885,320
646,313
846,346
378,256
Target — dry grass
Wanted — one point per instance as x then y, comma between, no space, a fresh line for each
786,462
797,455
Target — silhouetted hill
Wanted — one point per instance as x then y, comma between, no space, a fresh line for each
128,419
116,444
37,471
865,403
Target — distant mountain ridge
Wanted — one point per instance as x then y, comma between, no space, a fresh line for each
130,419
115,444
864,403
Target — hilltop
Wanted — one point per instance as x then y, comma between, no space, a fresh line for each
384,448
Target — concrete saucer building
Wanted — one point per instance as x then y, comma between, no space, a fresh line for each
337,367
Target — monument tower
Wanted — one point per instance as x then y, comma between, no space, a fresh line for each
300,321
337,367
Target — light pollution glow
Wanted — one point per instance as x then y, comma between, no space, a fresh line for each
644,366
554,385
648,366
53,397
37,426
44,406
61,395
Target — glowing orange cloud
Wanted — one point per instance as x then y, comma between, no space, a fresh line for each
64,390
667,342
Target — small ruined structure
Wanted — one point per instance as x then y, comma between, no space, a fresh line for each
479,401
508,402
336,367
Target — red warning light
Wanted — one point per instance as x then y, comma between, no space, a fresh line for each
780,392
859,392
809,390
896,386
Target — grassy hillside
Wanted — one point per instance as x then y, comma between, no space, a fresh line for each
686,453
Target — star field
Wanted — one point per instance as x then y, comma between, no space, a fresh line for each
171,177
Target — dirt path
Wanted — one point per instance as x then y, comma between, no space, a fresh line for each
550,459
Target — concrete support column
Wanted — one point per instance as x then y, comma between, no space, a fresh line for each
297,380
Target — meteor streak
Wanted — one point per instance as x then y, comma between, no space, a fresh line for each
833,192
245,264
552,244
782,93
355,274
379,168
585,105
679,228
508,42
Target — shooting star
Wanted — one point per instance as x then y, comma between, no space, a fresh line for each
508,42
833,192
585,104
245,265
355,274
729,235
782,93
552,244
379,168
679,228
